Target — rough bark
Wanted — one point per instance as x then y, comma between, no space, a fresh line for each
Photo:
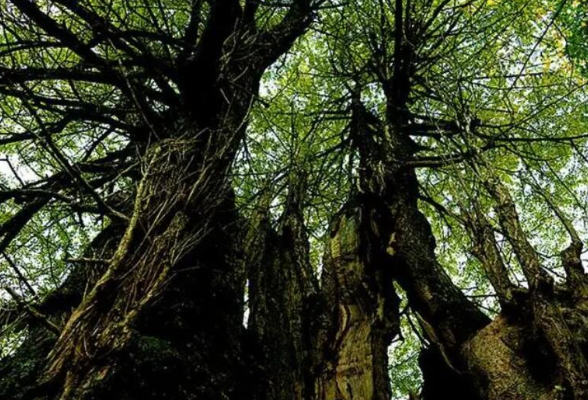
282,288
533,350
362,308
164,228
164,317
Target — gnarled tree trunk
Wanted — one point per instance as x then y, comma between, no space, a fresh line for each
163,318
362,307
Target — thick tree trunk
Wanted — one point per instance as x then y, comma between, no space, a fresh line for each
320,343
163,318
362,308
165,314
535,349
175,216
282,287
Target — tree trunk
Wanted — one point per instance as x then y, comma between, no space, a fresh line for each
282,288
534,350
163,317
174,218
362,308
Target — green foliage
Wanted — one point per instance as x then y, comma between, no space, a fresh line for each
501,62
575,21
515,68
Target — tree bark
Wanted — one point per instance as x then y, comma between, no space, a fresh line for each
163,319
534,349
362,307
282,290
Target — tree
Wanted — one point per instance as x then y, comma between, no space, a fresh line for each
438,129
425,94
159,93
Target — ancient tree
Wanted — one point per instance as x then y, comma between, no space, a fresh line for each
159,95
274,200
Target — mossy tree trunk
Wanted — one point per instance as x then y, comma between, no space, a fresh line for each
281,292
162,318
327,341
536,348
362,315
